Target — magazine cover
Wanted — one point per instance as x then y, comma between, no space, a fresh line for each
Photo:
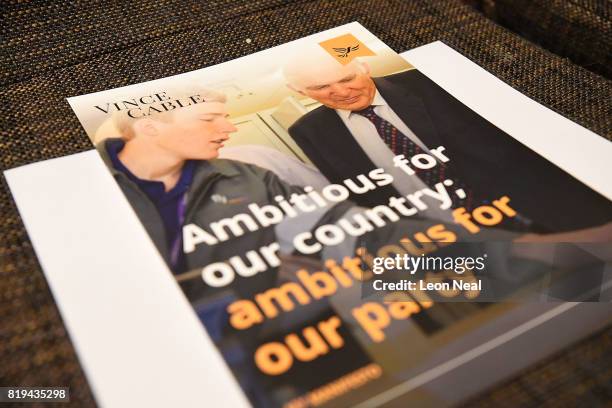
344,228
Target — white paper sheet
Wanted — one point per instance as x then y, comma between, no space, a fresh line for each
138,339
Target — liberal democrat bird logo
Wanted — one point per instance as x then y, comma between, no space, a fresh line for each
345,48
344,52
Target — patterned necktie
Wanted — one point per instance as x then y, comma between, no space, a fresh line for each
401,144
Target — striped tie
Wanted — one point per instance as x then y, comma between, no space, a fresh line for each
401,144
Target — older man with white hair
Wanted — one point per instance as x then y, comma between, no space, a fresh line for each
364,122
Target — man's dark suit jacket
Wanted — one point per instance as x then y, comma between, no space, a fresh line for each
488,160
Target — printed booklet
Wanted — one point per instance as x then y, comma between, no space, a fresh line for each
322,223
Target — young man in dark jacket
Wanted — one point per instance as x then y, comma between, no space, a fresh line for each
167,166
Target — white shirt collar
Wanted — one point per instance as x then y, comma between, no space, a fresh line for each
377,101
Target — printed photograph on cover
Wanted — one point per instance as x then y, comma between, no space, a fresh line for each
272,184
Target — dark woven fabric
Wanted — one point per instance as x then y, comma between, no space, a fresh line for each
68,48
580,30
580,376
41,36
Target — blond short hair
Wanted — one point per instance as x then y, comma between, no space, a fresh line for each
124,123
